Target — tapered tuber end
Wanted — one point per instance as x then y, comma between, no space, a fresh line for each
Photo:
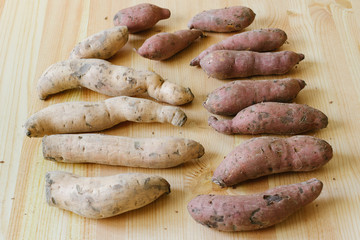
179,119
195,62
165,13
218,182
201,151
223,126
302,83
301,57
48,182
317,185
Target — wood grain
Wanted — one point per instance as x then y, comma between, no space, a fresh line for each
35,34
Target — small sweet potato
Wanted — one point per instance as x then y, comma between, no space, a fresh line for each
102,45
261,40
273,118
162,46
223,64
232,97
164,152
140,17
76,117
103,77
223,20
256,211
102,197
268,155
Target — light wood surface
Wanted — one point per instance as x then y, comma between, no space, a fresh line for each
35,34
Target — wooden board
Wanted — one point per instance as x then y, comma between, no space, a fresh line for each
35,34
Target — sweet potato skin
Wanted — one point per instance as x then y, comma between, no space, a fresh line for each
232,97
224,64
229,19
76,117
164,152
260,40
252,212
272,118
140,17
162,46
102,197
268,155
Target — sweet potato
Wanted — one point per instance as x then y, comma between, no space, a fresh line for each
102,197
223,20
223,64
256,211
75,117
268,155
162,152
140,17
273,118
162,46
101,45
112,80
262,40
232,97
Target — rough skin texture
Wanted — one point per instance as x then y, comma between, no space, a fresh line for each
76,117
140,17
262,40
223,64
162,152
102,197
252,212
102,45
223,20
232,97
112,80
272,118
162,46
268,155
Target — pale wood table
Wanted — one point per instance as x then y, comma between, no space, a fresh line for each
36,34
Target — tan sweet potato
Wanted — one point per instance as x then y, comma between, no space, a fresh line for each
273,118
162,46
140,17
162,152
232,97
103,45
223,64
102,197
76,117
252,212
261,40
112,80
268,155
223,20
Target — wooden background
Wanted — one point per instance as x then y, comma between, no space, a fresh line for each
36,34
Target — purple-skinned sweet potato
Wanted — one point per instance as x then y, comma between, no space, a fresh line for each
224,64
261,40
232,97
268,155
256,211
272,118
140,17
223,20
162,46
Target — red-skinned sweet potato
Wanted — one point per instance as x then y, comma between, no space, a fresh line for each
252,212
273,118
268,155
232,97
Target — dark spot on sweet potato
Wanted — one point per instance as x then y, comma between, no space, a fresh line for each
301,190
270,199
147,180
253,219
53,201
117,186
177,152
210,224
270,169
217,218
137,146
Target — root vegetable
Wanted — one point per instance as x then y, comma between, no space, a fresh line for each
162,152
223,20
103,45
268,155
273,118
223,64
102,197
112,80
75,117
262,40
162,46
140,17
232,97
252,212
